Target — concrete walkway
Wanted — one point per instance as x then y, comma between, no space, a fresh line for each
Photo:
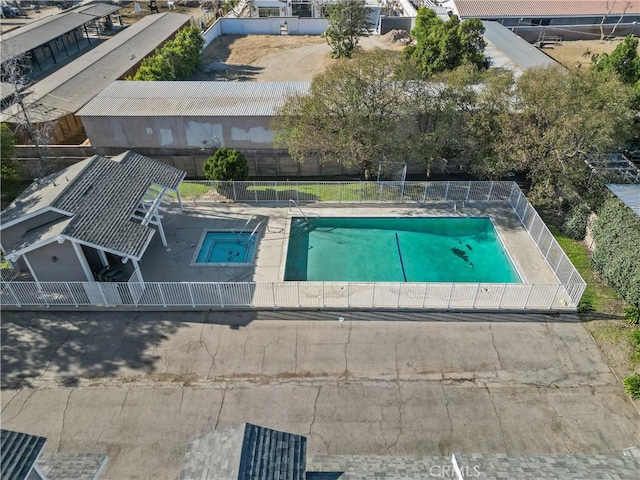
137,386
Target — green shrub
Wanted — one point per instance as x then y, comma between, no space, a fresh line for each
177,59
616,232
575,221
635,338
632,315
226,165
632,385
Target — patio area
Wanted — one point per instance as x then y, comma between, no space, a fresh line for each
184,231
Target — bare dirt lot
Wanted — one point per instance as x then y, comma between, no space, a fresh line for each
579,52
272,57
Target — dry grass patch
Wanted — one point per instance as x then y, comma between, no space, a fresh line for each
579,52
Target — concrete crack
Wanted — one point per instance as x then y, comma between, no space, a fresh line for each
64,418
400,403
504,442
21,406
126,395
54,354
181,399
295,353
224,395
446,407
493,341
113,357
315,406
12,399
346,359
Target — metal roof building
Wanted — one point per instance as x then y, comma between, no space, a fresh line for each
61,94
629,194
186,114
543,8
39,39
519,52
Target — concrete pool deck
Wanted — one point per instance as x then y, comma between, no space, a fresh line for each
184,230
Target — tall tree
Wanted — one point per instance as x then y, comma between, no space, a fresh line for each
445,45
348,21
559,120
350,115
623,61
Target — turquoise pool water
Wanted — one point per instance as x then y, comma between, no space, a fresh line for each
226,247
397,250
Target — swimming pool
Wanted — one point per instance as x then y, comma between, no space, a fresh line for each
397,250
225,247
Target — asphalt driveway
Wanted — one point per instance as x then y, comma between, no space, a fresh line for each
137,385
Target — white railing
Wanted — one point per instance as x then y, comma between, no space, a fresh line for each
445,296
308,295
349,192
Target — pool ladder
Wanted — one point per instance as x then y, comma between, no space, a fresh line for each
252,237
306,225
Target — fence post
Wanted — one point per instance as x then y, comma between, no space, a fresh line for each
276,190
255,190
450,295
555,294
135,300
424,298
380,196
298,293
490,191
193,302
466,199
15,297
233,186
104,297
297,191
528,295
446,192
515,209
273,294
373,297
504,289
164,301
72,295
348,294
399,293
220,294
424,192
475,299
323,304
360,193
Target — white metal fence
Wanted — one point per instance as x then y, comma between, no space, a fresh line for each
447,296
348,192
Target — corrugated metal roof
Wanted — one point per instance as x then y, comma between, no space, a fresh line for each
22,40
629,194
18,453
69,88
98,9
543,8
520,52
102,196
191,99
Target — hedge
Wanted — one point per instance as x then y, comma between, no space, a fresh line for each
177,59
616,232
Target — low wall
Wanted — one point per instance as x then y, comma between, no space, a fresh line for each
262,163
573,32
264,26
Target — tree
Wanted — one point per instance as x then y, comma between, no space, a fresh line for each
348,21
8,175
226,165
27,115
350,115
177,59
441,46
559,121
623,61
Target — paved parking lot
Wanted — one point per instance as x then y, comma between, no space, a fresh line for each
137,385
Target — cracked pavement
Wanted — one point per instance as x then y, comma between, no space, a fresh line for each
138,385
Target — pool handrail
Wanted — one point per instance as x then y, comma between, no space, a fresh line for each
291,200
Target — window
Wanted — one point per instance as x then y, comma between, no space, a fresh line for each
301,9
268,12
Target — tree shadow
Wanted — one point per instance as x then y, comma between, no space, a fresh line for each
76,345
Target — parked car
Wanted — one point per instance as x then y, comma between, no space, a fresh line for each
10,11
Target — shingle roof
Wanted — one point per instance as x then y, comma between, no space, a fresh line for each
519,51
73,466
18,453
177,99
101,194
247,452
69,88
543,8
629,194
